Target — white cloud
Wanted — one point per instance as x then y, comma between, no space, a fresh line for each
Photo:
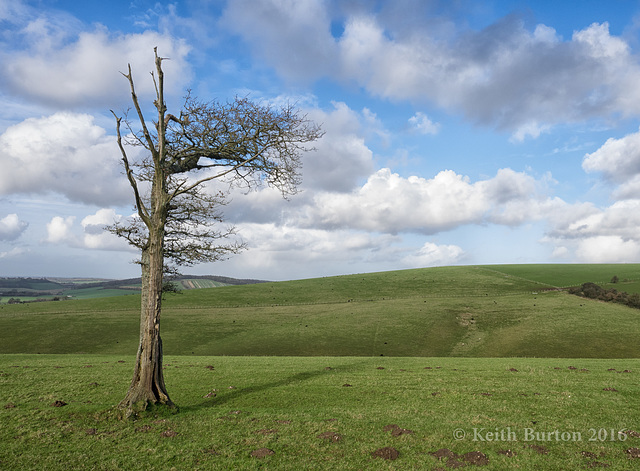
86,69
65,153
341,158
15,252
59,231
608,249
288,252
620,219
421,124
11,227
618,160
390,203
96,237
299,30
91,235
593,235
506,75
432,254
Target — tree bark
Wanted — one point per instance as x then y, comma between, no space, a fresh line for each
147,387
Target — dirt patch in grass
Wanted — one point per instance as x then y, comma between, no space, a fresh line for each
539,449
476,458
453,460
386,453
597,464
58,404
262,453
633,452
396,431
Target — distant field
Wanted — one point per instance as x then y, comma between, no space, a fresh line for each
322,413
566,275
28,289
496,311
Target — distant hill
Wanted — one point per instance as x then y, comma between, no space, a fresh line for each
474,311
45,289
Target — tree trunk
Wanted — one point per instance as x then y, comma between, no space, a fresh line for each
147,387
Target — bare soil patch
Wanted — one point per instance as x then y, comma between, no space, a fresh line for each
262,453
453,460
633,452
539,449
386,453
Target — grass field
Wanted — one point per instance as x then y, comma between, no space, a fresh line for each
492,365
551,414
498,311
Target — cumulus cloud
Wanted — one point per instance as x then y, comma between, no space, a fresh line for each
11,227
13,253
284,250
618,161
620,219
342,157
59,231
421,124
517,79
65,153
90,235
300,30
431,254
390,203
85,69
597,235
608,249
96,237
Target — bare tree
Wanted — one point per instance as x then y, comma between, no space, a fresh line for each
239,143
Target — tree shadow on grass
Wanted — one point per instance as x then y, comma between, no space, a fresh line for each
295,378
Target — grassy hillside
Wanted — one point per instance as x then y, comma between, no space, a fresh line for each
496,311
565,275
233,406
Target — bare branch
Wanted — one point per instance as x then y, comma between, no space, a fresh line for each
142,210
134,98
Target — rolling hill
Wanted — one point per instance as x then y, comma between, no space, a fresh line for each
475,311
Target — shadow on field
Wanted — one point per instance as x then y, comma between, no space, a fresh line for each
295,378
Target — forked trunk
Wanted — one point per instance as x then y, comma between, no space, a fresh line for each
147,387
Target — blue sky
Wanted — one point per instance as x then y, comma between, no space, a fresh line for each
467,132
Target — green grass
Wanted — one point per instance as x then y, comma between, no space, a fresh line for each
454,311
566,275
284,403
490,352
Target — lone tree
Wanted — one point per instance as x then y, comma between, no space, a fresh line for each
239,143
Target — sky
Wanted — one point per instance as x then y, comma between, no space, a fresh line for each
455,132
